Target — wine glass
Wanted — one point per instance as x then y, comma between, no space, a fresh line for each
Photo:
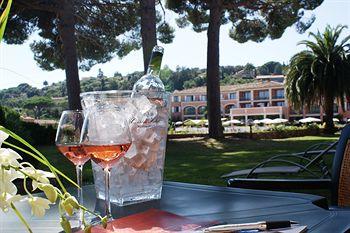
68,143
105,138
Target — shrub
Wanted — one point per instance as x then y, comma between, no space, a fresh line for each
31,132
313,126
10,119
39,135
285,131
281,128
189,123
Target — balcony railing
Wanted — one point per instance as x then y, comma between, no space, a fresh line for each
278,97
244,98
272,110
262,98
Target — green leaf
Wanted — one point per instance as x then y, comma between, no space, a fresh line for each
50,191
65,225
87,229
3,18
20,216
73,202
104,221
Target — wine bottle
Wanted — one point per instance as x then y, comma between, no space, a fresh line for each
150,84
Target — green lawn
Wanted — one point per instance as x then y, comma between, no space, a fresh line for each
203,161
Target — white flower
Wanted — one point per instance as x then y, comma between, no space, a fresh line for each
9,157
38,176
39,205
3,137
49,191
6,178
69,204
6,200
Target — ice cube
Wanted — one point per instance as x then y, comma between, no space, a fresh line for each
143,132
137,161
130,111
152,137
137,154
142,104
151,159
140,132
151,114
132,151
146,110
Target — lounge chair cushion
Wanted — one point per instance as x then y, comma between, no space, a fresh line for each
279,184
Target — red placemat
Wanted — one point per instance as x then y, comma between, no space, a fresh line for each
153,220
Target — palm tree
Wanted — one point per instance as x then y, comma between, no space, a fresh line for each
321,74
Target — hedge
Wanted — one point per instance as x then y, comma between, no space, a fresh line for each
33,133
258,135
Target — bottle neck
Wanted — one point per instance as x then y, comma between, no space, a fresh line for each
154,64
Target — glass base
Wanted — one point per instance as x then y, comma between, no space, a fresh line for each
74,221
74,217
133,198
90,218
97,221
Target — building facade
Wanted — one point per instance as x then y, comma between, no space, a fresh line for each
263,98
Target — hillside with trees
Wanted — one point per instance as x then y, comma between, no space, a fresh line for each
49,101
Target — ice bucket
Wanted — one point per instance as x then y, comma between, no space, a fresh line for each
138,176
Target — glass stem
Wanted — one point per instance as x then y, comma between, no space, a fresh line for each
79,170
107,200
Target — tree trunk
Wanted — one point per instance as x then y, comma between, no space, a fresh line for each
148,29
328,119
67,35
213,77
36,112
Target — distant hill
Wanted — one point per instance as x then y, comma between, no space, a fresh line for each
179,79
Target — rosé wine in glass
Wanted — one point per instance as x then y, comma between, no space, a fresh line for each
74,153
106,155
68,143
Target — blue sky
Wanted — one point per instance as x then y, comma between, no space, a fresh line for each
188,49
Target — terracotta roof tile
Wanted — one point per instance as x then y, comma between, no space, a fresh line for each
270,76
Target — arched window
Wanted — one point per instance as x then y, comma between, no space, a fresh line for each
315,109
335,108
201,110
189,110
228,107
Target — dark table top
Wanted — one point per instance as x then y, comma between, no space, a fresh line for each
203,202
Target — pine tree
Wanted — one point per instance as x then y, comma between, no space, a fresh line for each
251,20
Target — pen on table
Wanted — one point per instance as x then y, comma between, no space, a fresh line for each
263,225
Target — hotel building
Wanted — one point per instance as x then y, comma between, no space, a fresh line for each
263,98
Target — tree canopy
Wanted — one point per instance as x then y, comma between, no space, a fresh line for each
251,20
78,34
37,104
271,67
97,26
103,30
